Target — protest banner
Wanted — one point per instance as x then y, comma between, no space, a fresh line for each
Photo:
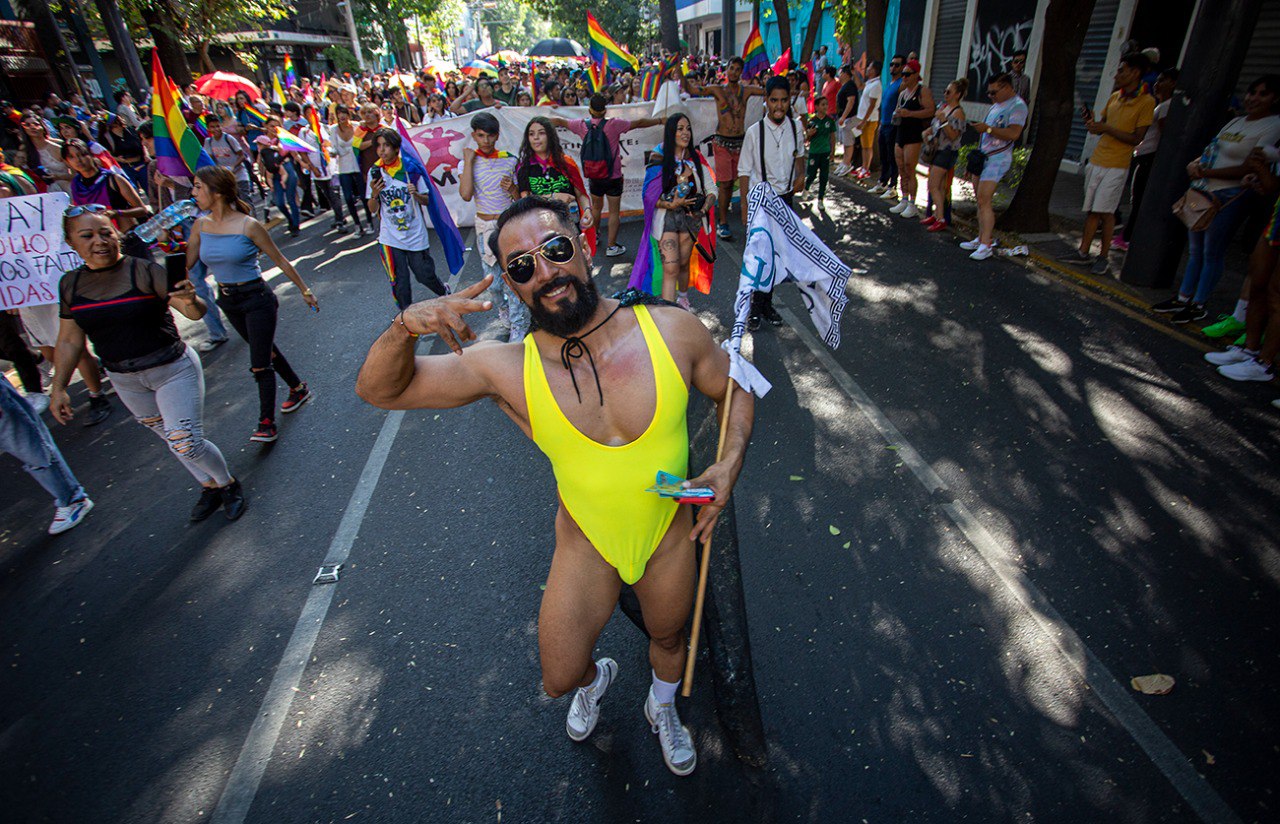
33,252
441,144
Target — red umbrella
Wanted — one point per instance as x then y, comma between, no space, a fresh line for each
224,85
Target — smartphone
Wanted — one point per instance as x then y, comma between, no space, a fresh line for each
175,269
375,174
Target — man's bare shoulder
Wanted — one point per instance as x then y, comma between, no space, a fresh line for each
681,329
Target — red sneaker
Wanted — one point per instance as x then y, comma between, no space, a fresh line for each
297,397
266,431
938,226
928,220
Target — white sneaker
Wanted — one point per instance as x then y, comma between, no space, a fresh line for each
982,252
910,211
877,189
69,517
899,207
584,712
1250,370
970,245
677,744
889,194
1233,354
615,250
841,170
683,302
39,401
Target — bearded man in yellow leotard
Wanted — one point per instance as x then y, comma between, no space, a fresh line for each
602,390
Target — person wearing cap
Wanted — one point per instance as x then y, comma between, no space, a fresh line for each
914,111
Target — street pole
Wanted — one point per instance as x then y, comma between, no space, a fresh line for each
1215,54
54,45
729,28
75,20
351,32
126,52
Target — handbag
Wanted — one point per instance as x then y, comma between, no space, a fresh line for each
1197,209
975,162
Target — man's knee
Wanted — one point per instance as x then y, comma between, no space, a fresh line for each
562,681
671,642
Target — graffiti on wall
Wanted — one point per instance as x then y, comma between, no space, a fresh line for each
992,50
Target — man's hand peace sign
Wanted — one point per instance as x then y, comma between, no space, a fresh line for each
443,316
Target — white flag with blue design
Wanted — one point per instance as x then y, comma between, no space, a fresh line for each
781,249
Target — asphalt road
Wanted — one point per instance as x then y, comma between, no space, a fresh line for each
1036,498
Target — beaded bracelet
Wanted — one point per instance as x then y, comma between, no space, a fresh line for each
408,331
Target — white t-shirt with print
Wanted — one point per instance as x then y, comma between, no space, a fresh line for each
403,223
1232,146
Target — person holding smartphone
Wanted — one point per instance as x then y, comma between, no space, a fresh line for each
121,304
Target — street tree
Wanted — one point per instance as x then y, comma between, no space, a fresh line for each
669,25
876,12
167,23
206,19
1065,24
782,13
811,32
631,24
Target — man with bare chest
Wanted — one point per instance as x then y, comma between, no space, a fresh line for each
731,110
602,389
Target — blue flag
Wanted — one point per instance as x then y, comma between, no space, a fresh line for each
454,252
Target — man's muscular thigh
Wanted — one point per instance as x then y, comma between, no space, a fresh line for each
666,589
582,591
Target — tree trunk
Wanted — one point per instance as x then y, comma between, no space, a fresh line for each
877,10
668,26
206,62
1065,23
164,31
781,9
811,33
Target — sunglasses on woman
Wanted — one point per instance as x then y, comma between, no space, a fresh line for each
558,250
91,208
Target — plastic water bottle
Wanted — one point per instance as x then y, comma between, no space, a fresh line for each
166,219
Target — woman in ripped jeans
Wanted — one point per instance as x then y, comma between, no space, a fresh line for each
228,242
121,304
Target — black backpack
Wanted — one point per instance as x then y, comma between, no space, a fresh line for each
597,157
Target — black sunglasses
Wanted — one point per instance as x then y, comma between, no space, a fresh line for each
558,250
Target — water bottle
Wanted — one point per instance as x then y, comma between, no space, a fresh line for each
166,219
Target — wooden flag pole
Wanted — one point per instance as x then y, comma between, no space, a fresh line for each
692,656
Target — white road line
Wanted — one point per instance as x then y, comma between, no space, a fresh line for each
242,786
1193,788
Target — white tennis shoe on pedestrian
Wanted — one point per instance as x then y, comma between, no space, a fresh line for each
70,516
1233,354
910,211
677,744
899,207
982,252
584,712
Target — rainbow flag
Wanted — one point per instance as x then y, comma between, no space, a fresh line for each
178,150
313,120
598,74
290,79
256,115
290,142
648,272
605,50
754,55
201,126
455,254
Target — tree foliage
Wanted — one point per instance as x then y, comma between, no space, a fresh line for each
633,24
380,24
851,17
518,25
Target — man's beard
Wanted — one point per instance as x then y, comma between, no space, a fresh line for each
571,313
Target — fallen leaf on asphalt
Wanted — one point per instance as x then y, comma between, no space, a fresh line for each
797,478
1208,758
894,447
847,544
1158,684
835,530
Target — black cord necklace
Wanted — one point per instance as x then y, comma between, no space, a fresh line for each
575,347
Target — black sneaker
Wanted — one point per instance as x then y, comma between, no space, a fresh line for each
1190,313
266,431
753,322
209,503
771,315
1076,256
297,397
99,410
233,500
1173,304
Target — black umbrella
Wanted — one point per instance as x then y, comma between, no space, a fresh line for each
557,47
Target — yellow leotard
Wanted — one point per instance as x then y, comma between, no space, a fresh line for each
603,487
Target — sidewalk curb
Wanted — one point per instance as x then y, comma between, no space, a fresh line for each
1114,296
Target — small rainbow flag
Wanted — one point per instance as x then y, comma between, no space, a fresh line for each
178,150
652,80
290,142
313,120
597,74
290,79
256,115
201,126
605,50
754,56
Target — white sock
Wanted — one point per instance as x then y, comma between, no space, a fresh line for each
1242,306
684,294
598,682
664,691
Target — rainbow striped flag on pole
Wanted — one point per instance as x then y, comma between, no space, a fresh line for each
597,74
605,50
178,150
754,56
455,253
290,78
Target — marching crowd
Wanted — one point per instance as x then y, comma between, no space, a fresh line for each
333,145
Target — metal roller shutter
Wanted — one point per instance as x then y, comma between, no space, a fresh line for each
1093,57
1264,48
944,63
